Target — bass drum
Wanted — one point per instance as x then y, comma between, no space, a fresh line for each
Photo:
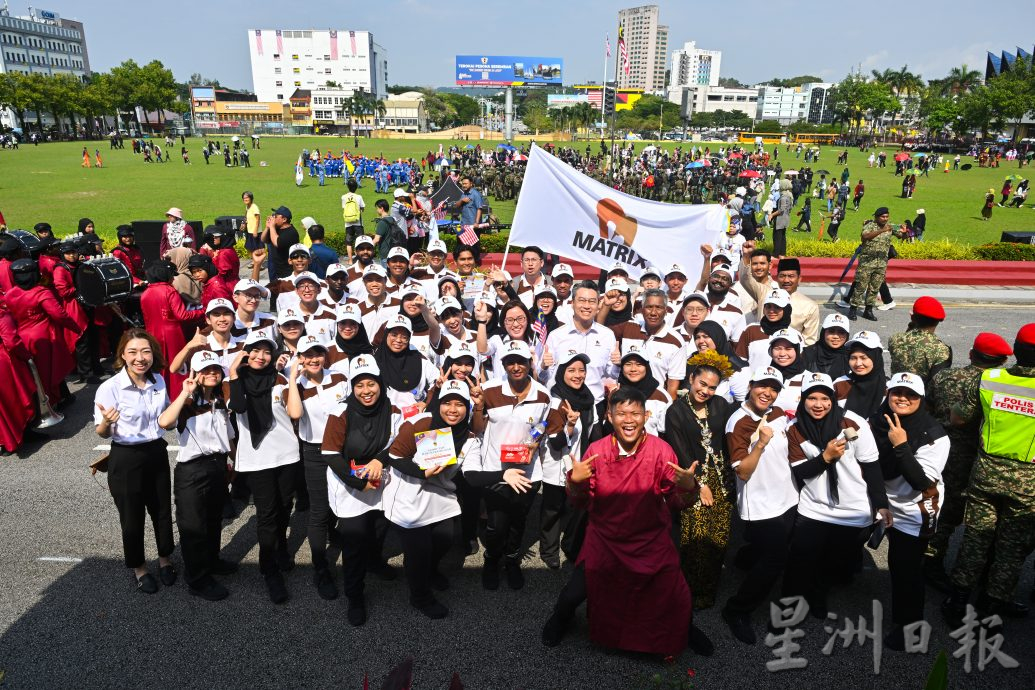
103,281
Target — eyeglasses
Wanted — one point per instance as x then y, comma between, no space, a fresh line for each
250,298
515,320
696,310
586,300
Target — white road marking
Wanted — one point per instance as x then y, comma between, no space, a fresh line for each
108,447
60,559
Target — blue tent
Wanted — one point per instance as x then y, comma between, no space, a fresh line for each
694,165
469,146
506,147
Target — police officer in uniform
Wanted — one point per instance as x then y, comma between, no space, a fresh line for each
1000,515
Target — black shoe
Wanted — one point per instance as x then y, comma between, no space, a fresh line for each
553,563
32,436
65,402
954,608
147,584
896,639
221,567
357,614
167,573
433,609
285,563
439,582
325,585
491,575
699,642
275,586
384,571
553,631
740,627
515,578
472,547
988,606
936,577
868,314
853,313
207,588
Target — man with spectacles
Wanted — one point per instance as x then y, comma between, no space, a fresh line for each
663,349
248,294
584,335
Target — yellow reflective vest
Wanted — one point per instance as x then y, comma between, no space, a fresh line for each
1008,407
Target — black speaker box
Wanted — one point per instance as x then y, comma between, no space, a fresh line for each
1018,237
149,236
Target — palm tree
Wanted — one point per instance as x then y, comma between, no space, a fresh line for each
961,80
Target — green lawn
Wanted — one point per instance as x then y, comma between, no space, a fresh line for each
46,183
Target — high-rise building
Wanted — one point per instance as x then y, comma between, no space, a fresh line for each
647,43
693,66
285,60
809,102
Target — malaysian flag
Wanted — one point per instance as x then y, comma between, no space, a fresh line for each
352,41
623,51
280,42
467,235
334,44
258,41
539,327
607,43
439,211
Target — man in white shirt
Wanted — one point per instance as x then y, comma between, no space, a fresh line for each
665,351
725,306
804,311
584,335
532,275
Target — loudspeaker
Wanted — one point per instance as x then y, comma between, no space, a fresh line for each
233,223
149,236
1018,237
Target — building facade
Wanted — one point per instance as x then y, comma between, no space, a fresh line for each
693,66
647,43
708,99
285,60
224,111
787,105
405,112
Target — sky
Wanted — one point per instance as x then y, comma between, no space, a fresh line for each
758,40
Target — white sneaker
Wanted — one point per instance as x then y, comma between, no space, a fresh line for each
887,307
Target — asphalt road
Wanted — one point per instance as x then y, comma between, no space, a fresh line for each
69,615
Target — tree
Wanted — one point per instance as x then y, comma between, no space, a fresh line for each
938,113
731,83
769,127
465,107
155,89
1010,95
122,81
794,81
536,117
960,80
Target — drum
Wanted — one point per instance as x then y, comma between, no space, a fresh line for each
103,281
30,243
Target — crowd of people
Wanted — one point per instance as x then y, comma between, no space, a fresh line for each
437,401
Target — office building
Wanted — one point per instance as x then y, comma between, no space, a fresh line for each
787,105
708,99
693,66
647,43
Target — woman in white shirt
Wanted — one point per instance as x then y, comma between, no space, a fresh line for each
320,393
517,326
267,452
420,496
407,374
202,421
126,410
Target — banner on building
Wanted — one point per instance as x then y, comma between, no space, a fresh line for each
567,213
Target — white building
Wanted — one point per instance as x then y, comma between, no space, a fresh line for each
405,112
708,99
787,105
42,42
284,60
647,43
692,66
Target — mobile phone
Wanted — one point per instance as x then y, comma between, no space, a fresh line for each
876,536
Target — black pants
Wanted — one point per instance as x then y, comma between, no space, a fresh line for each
554,502
905,560
820,552
272,490
885,293
138,479
806,221
470,507
200,487
362,537
320,517
780,241
423,548
768,540
573,594
508,511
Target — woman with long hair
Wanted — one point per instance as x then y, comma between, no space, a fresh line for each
862,389
165,317
517,326
126,410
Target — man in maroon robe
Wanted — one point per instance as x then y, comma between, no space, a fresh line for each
628,568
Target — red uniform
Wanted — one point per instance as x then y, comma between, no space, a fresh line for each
164,318
47,263
64,288
18,392
6,276
133,259
41,319
214,288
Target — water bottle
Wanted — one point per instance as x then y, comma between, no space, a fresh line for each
536,433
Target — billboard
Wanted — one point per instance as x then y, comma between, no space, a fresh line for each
565,100
507,70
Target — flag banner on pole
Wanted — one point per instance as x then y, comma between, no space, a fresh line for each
607,44
258,41
280,42
334,44
467,235
623,51
352,41
564,212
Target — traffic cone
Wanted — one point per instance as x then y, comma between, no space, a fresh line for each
822,225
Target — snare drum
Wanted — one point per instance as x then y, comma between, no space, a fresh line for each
103,281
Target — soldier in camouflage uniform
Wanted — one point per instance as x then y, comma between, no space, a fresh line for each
1000,516
952,387
919,350
873,264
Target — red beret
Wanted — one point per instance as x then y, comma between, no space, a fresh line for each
1027,334
929,307
992,345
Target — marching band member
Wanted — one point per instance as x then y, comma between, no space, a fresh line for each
204,272
18,394
129,253
223,254
78,341
165,317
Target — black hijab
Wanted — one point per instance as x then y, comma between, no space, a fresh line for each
83,223
921,429
819,432
647,385
715,331
460,432
867,391
257,385
822,358
614,317
368,427
400,371
358,345
420,325
551,319
793,369
580,399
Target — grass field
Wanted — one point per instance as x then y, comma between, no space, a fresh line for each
46,183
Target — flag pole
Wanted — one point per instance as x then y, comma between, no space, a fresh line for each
603,80
603,102
506,253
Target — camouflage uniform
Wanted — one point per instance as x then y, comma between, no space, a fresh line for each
919,352
1000,515
873,265
950,388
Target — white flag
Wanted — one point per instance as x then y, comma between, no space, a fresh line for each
564,212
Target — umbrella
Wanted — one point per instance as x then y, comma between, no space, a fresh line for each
1014,178
735,155
822,172
443,161
521,157
506,147
750,173
966,166
706,163
235,138
693,165
469,146
901,156
920,155
790,173
649,148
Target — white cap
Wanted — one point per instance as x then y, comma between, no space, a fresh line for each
336,268
650,271
375,270
721,253
675,268
767,374
305,275
740,191
299,248
308,342
220,303
516,348
288,315
616,284
363,365
437,246
400,192
364,239
308,222
399,321
723,268
904,379
256,337
397,252
780,298
789,334
920,212
618,266
455,387
635,348
411,289
816,379
447,302
246,284
348,312
204,359
569,356
562,270
461,349
836,321
545,290
448,275
868,339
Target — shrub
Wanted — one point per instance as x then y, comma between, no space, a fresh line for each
1006,251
